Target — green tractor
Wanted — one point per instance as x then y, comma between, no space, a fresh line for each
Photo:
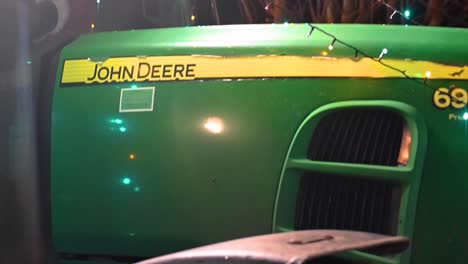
327,143
169,139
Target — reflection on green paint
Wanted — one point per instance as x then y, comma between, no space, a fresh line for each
136,189
126,181
123,129
117,121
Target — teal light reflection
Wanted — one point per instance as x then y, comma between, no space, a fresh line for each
465,116
126,180
134,86
123,129
116,121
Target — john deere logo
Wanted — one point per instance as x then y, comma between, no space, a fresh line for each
142,72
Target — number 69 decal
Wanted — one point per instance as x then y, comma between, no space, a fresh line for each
457,98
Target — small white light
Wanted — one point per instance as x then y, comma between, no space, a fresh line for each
428,74
384,51
465,116
214,125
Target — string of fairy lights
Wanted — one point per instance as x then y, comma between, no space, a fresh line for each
405,14
379,59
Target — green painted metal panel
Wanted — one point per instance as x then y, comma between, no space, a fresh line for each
205,163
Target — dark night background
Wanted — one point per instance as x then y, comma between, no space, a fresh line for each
33,32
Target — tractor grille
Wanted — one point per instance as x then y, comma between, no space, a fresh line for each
325,201
340,202
366,136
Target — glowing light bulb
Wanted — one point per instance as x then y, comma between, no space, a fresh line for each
465,116
132,156
330,47
407,13
324,53
192,18
428,74
384,51
92,26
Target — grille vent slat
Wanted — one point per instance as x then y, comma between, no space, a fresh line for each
381,153
367,140
328,146
367,207
325,201
337,133
343,154
349,142
372,131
